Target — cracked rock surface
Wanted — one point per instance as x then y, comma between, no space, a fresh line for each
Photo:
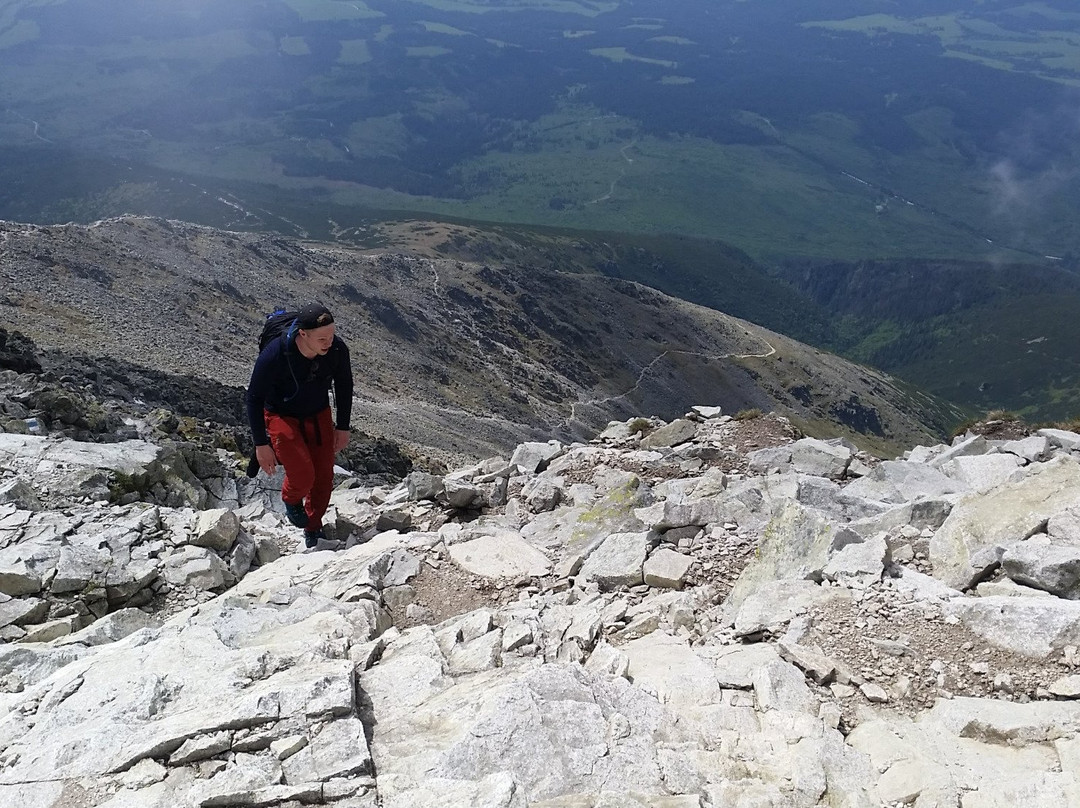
728,614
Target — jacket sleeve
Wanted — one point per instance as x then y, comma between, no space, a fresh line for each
343,386
256,394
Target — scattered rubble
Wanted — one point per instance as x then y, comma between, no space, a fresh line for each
707,612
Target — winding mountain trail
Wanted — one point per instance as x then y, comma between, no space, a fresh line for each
645,371
438,294
622,173
37,126
765,355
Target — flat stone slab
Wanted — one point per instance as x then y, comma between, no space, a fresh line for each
42,454
504,556
982,525
667,569
1031,627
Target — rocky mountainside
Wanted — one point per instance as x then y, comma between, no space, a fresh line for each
454,359
708,611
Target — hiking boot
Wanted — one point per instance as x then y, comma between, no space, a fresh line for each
296,514
316,541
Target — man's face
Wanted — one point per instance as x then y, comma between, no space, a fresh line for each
317,340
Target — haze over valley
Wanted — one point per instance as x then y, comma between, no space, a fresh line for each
777,138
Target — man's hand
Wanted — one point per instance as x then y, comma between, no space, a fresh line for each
341,439
267,460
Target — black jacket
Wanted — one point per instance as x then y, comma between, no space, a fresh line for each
285,382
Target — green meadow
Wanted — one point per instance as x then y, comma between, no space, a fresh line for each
1018,42
656,124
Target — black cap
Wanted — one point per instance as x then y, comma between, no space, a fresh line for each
314,315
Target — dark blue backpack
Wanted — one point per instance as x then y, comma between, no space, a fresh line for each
278,322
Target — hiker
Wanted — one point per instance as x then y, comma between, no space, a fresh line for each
288,408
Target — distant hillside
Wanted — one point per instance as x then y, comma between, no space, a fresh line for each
986,336
703,271
462,357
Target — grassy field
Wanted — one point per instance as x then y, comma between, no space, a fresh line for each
579,168
636,124
791,195
1001,47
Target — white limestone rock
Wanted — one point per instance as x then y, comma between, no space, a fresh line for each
820,458
981,526
677,432
666,569
1066,687
669,668
1064,527
533,456
707,412
768,609
982,472
962,447
337,748
1062,438
232,665
201,747
618,561
780,685
19,611
1031,627
475,655
20,493
921,587
1006,587
542,494
733,666
1031,449
994,721
52,629
504,556
897,481
112,627
771,460
512,722
460,494
608,660
79,565
196,567
216,529
796,544
835,502
423,486
1043,564
861,562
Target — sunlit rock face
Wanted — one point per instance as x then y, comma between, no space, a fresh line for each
727,614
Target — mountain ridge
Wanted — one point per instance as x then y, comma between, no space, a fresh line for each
486,354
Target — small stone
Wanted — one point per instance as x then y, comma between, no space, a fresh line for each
1067,687
875,694
1003,683
287,747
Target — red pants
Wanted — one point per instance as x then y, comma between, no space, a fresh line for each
305,449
